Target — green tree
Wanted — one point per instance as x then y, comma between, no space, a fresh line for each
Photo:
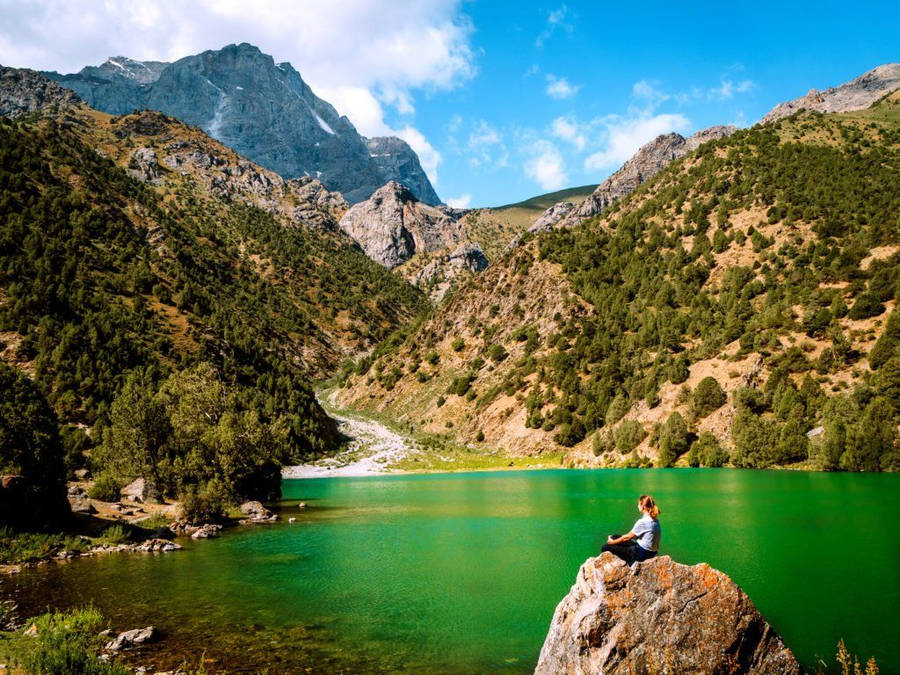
673,440
708,396
138,440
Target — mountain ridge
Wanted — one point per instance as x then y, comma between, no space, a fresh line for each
264,110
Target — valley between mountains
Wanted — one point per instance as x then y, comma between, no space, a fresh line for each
727,298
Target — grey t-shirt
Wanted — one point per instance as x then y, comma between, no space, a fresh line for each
647,531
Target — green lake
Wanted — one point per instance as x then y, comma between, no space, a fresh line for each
460,573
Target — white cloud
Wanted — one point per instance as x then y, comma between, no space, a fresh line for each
546,166
568,129
624,136
485,146
648,93
557,19
727,89
360,55
559,87
461,202
429,157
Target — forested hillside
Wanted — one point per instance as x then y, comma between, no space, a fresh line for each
140,298
740,308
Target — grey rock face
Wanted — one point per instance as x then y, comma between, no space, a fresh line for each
398,162
552,216
24,92
857,94
646,163
392,225
659,616
447,271
262,110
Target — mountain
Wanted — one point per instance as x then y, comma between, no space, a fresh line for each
649,160
25,92
136,243
392,225
738,307
262,110
857,94
398,162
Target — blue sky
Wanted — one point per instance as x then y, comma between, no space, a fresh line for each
501,100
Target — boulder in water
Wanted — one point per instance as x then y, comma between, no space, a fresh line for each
659,616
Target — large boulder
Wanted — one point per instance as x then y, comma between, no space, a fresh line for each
140,490
257,513
659,616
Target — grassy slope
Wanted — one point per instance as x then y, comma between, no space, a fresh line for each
495,227
552,285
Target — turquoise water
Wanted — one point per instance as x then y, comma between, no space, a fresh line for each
462,572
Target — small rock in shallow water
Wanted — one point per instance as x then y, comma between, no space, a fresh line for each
207,531
257,513
131,638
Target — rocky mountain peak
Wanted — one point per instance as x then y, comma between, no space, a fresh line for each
24,92
649,160
857,94
263,110
393,225
122,67
395,158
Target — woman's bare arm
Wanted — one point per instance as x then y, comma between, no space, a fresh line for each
622,539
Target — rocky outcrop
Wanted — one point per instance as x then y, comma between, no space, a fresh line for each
398,162
659,616
551,217
262,110
447,271
857,94
24,92
392,226
300,201
646,163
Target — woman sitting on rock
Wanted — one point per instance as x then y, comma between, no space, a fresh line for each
642,542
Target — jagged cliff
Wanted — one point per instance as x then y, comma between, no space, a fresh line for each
659,616
392,225
263,110
649,160
858,94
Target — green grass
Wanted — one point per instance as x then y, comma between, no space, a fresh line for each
545,201
22,547
66,642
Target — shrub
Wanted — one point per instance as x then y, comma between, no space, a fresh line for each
706,451
114,535
458,344
105,489
497,353
629,435
708,397
617,409
678,370
480,437
202,505
570,433
866,306
673,440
